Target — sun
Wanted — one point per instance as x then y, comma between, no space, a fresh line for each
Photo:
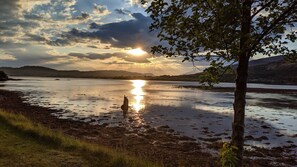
137,52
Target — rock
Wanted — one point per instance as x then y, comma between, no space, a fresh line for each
3,76
279,135
265,127
261,138
249,137
164,127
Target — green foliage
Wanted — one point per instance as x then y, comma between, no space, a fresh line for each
212,75
291,58
228,155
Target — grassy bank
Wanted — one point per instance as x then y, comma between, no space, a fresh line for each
23,143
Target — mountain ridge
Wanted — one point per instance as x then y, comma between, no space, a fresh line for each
271,70
39,71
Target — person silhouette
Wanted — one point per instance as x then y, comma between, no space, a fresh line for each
125,106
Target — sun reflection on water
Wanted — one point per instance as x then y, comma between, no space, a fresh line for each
138,93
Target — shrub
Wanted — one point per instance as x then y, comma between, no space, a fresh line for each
228,155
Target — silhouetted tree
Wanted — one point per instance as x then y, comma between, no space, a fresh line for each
225,32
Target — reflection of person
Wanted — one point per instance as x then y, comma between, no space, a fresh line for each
125,106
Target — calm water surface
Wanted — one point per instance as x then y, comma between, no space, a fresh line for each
194,113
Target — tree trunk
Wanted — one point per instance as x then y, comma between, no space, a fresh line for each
239,108
241,82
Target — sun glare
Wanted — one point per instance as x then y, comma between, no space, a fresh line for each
138,95
137,52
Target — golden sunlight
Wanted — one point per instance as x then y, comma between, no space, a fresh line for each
137,52
138,95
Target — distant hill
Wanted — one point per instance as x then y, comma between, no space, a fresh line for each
271,70
38,71
266,60
274,70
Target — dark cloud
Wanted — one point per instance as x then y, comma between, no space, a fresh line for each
31,56
31,16
92,26
103,56
12,24
35,37
9,17
117,62
100,9
92,46
132,33
137,59
122,11
8,9
83,16
22,23
92,56
11,45
59,42
56,42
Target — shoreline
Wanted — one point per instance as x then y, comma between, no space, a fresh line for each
249,90
155,78
158,146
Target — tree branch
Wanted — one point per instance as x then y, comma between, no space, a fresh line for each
263,7
275,22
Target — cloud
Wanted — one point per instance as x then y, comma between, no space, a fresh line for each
32,55
41,16
27,5
132,33
84,16
44,40
135,2
120,55
122,11
6,56
16,23
100,9
8,9
10,18
92,56
79,34
55,10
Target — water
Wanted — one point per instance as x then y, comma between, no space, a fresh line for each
190,112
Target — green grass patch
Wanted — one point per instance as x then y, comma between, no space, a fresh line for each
23,143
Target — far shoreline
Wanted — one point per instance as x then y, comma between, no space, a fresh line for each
149,78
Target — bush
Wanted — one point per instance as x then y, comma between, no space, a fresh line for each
228,155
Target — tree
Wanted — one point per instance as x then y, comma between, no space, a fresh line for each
225,32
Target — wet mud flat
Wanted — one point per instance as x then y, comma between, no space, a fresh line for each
161,144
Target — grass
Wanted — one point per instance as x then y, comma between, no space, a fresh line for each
23,143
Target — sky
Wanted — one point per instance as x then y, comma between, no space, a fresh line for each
82,35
